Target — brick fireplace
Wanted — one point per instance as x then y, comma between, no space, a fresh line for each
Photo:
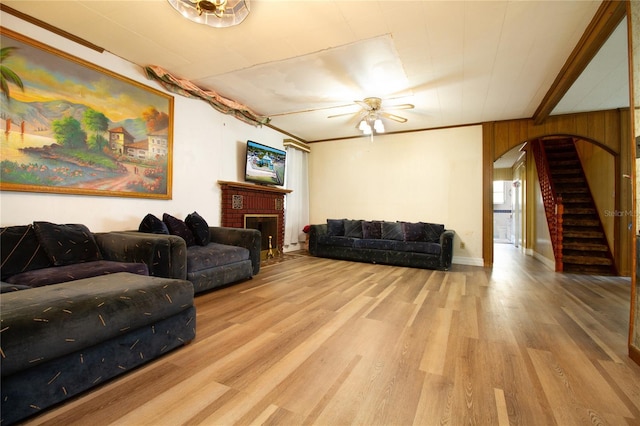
256,205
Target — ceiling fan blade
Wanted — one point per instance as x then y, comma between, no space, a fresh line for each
401,106
342,115
364,105
393,117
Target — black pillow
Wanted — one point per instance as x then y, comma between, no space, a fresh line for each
199,228
392,231
67,244
371,230
179,228
414,231
433,232
353,228
152,225
20,251
335,227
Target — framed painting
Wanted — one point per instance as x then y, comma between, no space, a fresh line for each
69,126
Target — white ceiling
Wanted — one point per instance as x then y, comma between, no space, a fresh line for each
458,62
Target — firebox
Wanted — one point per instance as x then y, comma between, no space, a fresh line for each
267,224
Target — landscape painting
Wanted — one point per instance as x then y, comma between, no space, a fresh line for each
71,127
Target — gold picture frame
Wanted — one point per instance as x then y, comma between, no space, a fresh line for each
72,127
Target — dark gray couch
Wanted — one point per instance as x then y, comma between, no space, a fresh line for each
65,330
231,255
416,245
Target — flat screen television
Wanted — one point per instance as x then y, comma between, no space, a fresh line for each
264,164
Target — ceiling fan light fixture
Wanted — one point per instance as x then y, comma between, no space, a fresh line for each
216,13
378,126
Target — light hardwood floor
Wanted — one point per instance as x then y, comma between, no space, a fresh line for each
317,341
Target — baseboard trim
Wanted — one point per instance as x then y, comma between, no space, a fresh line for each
471,261
551,264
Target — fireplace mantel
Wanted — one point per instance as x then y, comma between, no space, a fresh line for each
244,199
253,187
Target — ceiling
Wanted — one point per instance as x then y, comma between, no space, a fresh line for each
299,62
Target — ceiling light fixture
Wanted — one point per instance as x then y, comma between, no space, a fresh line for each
216,13
371,123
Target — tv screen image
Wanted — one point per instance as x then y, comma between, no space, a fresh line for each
264,164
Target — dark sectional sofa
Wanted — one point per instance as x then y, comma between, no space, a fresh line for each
411,244
79,308
208,256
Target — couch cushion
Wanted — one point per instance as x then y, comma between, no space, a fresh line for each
392,231
372,230
179,228
414,231
153,225
20,251
335,227
375,244
330,240
433,232
417,247
44,323
353,228
212,255
61,274
199,227
67,244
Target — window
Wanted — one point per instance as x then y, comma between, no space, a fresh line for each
498,192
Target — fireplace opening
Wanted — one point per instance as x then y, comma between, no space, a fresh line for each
268,227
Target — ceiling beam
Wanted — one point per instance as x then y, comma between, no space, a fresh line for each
604,22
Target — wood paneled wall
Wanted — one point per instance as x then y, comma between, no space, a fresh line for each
607,129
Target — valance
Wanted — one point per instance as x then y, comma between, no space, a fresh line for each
190,90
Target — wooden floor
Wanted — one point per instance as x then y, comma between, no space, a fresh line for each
317,341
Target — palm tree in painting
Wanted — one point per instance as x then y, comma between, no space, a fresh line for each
7,75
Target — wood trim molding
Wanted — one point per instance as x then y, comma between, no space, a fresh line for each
253,187
601,27
50,28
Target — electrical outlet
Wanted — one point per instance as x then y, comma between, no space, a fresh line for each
461,244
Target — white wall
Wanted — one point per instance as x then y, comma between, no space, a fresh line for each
430,176
207,146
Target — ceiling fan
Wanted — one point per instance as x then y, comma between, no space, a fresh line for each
371,112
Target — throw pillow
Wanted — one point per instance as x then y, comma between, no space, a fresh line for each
353,228
371,230
433,232
152,225
20,251
199,227
179,228
414,231
392,231
335,227
67,244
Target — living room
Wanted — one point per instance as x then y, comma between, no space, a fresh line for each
433,175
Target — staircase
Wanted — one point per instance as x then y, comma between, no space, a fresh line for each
583,245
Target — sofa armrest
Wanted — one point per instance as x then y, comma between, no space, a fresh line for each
251,239
446,252
164,255
314,232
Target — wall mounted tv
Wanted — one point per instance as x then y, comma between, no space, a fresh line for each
264,164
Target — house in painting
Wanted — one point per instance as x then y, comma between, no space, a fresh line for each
119,138
158,144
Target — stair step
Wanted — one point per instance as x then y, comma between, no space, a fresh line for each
581,222
586,260
587,269
585,247
573,210
573,180
579,234
571,190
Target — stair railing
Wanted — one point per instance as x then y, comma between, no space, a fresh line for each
553,206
